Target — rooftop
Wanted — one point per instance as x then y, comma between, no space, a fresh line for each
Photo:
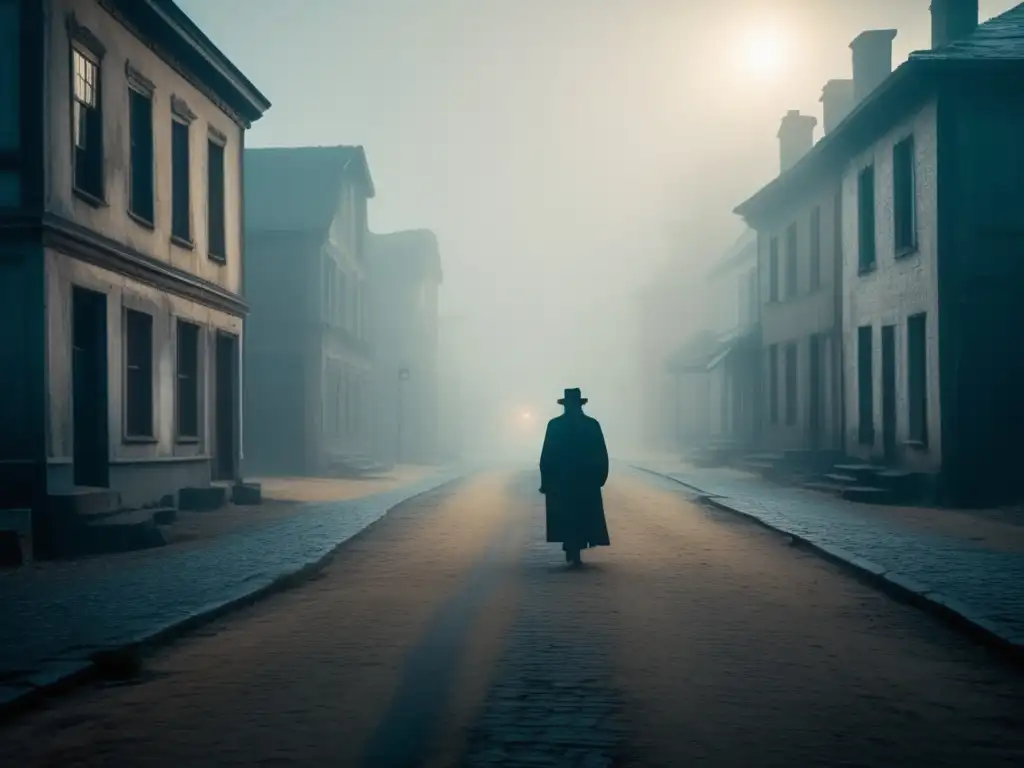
296,189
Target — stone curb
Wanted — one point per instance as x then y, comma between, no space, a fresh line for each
63,675
889,581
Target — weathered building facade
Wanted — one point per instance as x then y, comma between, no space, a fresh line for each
930,239
405,274
121,136
308,354
798,256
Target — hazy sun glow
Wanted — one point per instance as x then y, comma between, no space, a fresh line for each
764,52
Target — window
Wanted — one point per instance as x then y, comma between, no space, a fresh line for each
791,384
917,378
341,309
773,383
181,195
188,380
904,196
791,262
815,242
865,387
140,119
87,116
773,269
866,219
138,343
216,247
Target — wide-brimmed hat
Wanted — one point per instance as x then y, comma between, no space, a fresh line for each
573,396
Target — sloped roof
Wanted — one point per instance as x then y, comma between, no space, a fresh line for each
296,189
1000,40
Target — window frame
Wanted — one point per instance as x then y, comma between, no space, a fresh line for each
814,244
83,44
867,255
792,281
215,139
904,247
186,239
773,269
180,435
128,431
136,90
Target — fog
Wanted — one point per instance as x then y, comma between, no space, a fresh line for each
569,155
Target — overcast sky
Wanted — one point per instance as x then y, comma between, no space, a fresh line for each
559,148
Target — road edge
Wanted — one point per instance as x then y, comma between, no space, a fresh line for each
65,675
887,580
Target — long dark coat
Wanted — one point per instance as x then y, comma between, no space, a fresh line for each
573,469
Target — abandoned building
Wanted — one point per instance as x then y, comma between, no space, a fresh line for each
121,135
927,165
405,274
307,354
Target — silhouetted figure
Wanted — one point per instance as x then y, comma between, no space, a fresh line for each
573,469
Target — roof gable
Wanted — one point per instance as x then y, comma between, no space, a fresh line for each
297,189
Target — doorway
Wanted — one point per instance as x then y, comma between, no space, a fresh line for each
889,391
225,466
89,387
816,378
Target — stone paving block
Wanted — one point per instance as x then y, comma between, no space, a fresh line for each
58,619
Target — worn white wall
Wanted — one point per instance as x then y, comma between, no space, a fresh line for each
895,289
62,274
112,218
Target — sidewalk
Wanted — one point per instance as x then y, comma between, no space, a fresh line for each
967,568
52,627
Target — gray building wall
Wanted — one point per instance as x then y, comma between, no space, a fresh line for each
794,319
897,288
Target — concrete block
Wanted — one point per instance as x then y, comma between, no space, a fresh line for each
247,494
202,499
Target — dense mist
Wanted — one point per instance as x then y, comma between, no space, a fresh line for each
576,159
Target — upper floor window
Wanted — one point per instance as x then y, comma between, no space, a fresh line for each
791,262
773,269
140,119
215,212
904,196
87,118
866,251
181,193
815,243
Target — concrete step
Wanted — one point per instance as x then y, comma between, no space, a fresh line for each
823,486
83,502
163,515
840,479
866,494
202,498
123,532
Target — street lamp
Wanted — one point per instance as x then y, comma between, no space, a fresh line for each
403,376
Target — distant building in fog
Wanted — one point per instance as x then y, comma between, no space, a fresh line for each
121,134
405,274
307,355
717,372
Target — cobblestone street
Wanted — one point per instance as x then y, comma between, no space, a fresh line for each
450,634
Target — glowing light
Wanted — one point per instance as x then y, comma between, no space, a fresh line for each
526,416
764,53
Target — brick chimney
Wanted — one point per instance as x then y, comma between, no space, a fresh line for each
836,102
953,20
872,60
796,137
